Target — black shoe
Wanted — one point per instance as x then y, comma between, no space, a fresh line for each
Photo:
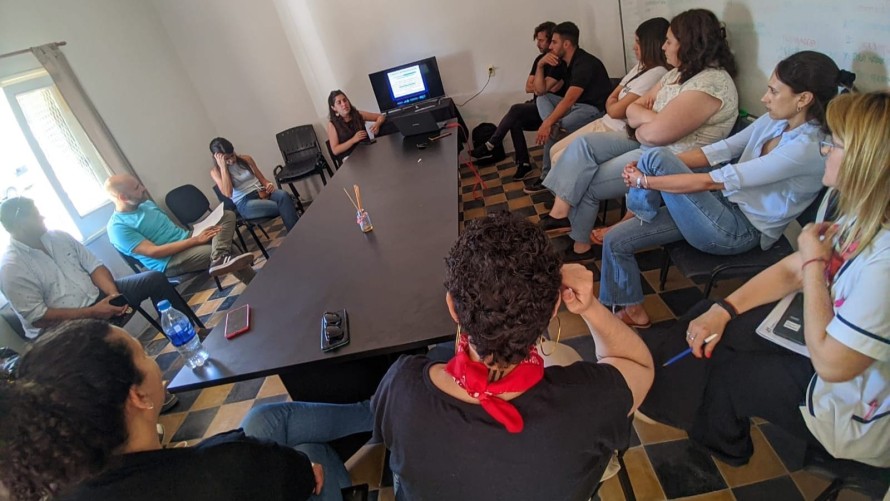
535,187
170,400
481,152
554,226
523,172
570,256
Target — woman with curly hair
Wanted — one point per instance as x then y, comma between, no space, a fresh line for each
493,423
693,105
80,423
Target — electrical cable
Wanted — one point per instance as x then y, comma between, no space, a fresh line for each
476,94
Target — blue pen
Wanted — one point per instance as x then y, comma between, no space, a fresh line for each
687,351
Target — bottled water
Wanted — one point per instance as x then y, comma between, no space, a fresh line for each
180,331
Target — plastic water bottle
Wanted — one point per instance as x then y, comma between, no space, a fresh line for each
180,331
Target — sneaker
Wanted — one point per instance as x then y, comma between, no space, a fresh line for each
570,256
535,187
169,401
481,152
523,171
551,225
227,264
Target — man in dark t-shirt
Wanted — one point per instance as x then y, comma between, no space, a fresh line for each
524,116
587,86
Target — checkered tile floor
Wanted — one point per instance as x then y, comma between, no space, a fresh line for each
661,462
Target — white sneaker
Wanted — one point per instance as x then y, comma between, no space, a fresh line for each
228,264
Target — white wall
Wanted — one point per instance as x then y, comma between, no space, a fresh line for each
339,42
126,63
238,58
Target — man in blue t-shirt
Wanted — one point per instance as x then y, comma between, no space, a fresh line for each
140,229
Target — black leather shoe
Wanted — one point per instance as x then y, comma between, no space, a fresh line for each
523,172
570,256
535,187
551,225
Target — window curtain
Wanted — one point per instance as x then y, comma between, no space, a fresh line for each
56,64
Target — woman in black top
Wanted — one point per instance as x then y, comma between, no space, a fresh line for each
79,423
493,423
347,126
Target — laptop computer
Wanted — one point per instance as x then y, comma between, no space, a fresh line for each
415,124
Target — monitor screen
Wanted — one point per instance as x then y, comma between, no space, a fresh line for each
406,84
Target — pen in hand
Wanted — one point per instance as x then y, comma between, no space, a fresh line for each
687,351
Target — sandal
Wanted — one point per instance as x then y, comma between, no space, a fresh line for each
624,317
598,236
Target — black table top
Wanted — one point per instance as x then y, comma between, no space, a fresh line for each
389,280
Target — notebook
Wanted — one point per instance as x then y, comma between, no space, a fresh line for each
784,325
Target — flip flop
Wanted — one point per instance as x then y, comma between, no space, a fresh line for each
624,317
598,235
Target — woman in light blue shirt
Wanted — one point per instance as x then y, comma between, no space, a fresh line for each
239,178
734,208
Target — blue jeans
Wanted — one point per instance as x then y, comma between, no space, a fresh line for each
590,171
707,220
308,427
279,203
579,114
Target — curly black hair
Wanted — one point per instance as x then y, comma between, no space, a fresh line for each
503,276
702,43
63,418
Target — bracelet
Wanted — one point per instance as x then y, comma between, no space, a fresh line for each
639,182
726,305
815,259
646,181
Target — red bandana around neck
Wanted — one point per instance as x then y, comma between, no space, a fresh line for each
472,376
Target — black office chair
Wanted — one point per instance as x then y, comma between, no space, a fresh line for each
844,474
240,221
334,158
704,268
302,158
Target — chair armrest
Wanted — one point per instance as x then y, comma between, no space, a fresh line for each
277,170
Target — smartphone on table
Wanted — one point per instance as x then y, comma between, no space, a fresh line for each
237,321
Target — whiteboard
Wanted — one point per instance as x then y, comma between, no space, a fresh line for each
855,33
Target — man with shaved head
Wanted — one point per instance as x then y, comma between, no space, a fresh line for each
140,229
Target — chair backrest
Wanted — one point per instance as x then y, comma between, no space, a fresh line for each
809,214
227,202
337,160
187,203
13,320
132,262
298,143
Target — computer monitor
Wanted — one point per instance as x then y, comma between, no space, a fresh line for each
407,83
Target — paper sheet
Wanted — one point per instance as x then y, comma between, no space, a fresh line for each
208,221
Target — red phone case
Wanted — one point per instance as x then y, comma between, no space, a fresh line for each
230,335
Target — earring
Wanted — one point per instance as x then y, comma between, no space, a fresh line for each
558,335
151,406
799,108
457,338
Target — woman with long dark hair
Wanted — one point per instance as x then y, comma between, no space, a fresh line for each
651,66
694,104
736,207
346,127
239,178
80,423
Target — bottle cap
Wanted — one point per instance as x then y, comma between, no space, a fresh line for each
163,305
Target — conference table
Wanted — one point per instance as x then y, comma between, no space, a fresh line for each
389,280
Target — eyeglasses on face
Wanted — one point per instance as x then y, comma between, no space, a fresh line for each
826,146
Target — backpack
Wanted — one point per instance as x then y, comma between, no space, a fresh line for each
482,133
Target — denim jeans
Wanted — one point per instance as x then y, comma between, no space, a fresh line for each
589,171
308,427
579,114
279,203
707,220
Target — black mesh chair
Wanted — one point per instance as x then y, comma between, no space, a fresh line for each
302,158
240,221
844,474
704,268
334,158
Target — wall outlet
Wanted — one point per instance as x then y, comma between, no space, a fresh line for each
491,71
